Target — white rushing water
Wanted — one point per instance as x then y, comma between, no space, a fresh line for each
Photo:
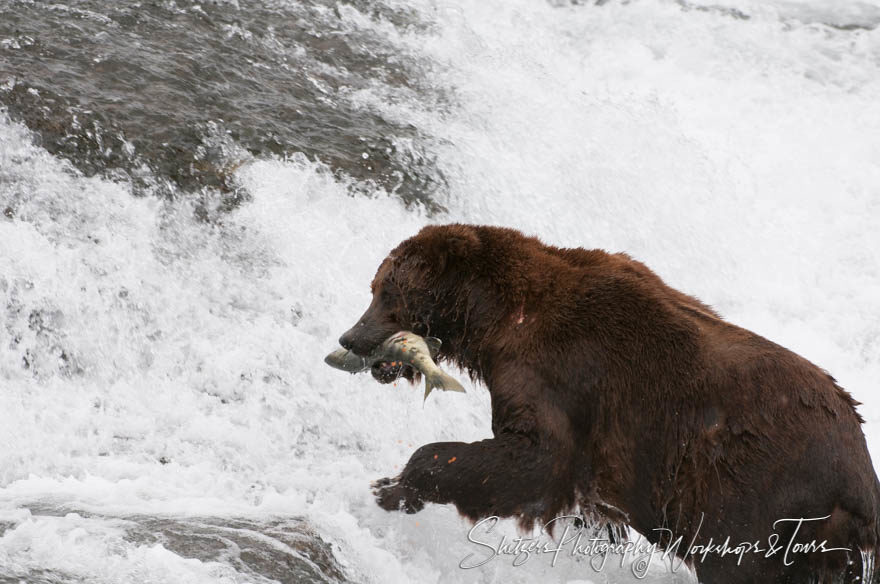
174,368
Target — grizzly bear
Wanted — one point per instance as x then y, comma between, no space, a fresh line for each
630,401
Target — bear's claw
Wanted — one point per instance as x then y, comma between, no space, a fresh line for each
393,496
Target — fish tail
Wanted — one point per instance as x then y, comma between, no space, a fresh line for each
441,380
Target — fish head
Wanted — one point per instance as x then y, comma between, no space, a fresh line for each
390,371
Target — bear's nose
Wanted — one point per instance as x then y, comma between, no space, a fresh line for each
347,340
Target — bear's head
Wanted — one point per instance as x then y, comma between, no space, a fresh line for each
446,282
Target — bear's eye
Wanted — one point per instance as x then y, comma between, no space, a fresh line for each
388,294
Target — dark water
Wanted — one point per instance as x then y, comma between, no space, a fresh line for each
41,577
4,525
286,550
175,96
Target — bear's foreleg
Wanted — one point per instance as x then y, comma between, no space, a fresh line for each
510,475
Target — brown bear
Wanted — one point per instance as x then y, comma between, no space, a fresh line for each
620,396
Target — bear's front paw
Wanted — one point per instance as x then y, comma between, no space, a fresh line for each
392,496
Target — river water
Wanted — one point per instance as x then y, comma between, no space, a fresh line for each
195,196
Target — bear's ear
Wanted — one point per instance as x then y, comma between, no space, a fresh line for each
455,246
462,246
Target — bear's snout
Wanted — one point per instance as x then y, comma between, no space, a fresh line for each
347,339
352,341
363,337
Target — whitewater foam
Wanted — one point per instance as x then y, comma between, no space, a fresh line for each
161,365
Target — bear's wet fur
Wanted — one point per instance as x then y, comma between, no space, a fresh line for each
618,395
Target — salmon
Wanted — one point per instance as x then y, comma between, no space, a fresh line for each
407,348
